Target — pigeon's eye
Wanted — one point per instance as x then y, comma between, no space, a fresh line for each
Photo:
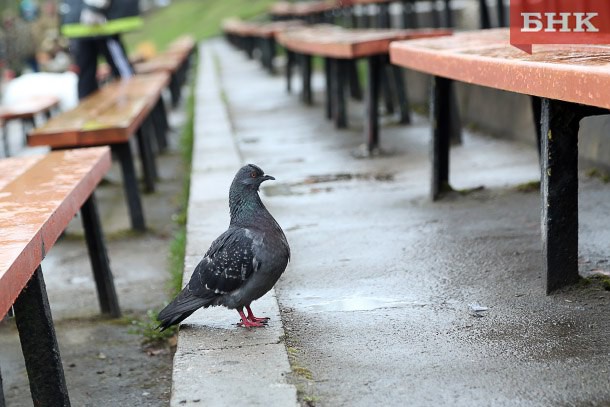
253,174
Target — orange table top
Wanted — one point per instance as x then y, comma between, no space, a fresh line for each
240,27
572,73
160,63
301,8
110,115
183,43
39,195
336,42
28,107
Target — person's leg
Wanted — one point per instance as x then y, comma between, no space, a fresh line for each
85,54
115,55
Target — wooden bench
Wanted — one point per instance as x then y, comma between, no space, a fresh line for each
572,82
409,17
175,60
26,110
349,13
111,116
250,36
353,11
39,196
313,12
339,46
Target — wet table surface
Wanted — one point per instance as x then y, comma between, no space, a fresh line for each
241,27
28,107
301,8
39,195
572,73
110,115
336,42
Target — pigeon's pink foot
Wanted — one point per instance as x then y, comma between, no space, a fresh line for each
249,324
252,318
246,323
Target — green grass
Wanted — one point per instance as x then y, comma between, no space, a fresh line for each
602,175
147,327
200,18
526,187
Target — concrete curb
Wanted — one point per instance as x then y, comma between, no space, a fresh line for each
216,362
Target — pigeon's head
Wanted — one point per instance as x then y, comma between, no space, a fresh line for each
250,176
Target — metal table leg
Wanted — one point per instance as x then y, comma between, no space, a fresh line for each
39,344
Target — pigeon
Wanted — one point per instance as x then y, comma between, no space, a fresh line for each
242,264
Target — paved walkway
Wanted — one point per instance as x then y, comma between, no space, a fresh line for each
375,302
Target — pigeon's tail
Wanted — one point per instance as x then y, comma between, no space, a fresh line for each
183,306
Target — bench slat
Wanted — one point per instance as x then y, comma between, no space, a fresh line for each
28,108
336,42
36,206
110,115
301,8
163,62
572,73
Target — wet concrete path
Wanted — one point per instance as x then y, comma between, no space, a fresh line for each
375,302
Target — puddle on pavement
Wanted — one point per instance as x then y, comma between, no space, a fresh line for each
308,184
350,304
314,179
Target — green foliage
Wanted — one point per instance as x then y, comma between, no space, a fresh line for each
598,173
178,245
201,18
526,187
147,328
176,262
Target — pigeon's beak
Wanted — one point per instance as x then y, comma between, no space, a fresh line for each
268,177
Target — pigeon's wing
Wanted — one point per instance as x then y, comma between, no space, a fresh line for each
228,263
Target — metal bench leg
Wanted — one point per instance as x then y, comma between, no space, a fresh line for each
338,93
436,15
387,90
174,90
288,72
355,89
39,344
27,124
536,113
484,15
440,118
160,124
100,264
409,15
559,190
456,123
501,14
371,105
130,185
366,17
328,105
401,94
448,14
2,402
353,18
163,116
249,44
270,54
306,95
149,166
383,15
5,138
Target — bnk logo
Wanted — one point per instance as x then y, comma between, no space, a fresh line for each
559,22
